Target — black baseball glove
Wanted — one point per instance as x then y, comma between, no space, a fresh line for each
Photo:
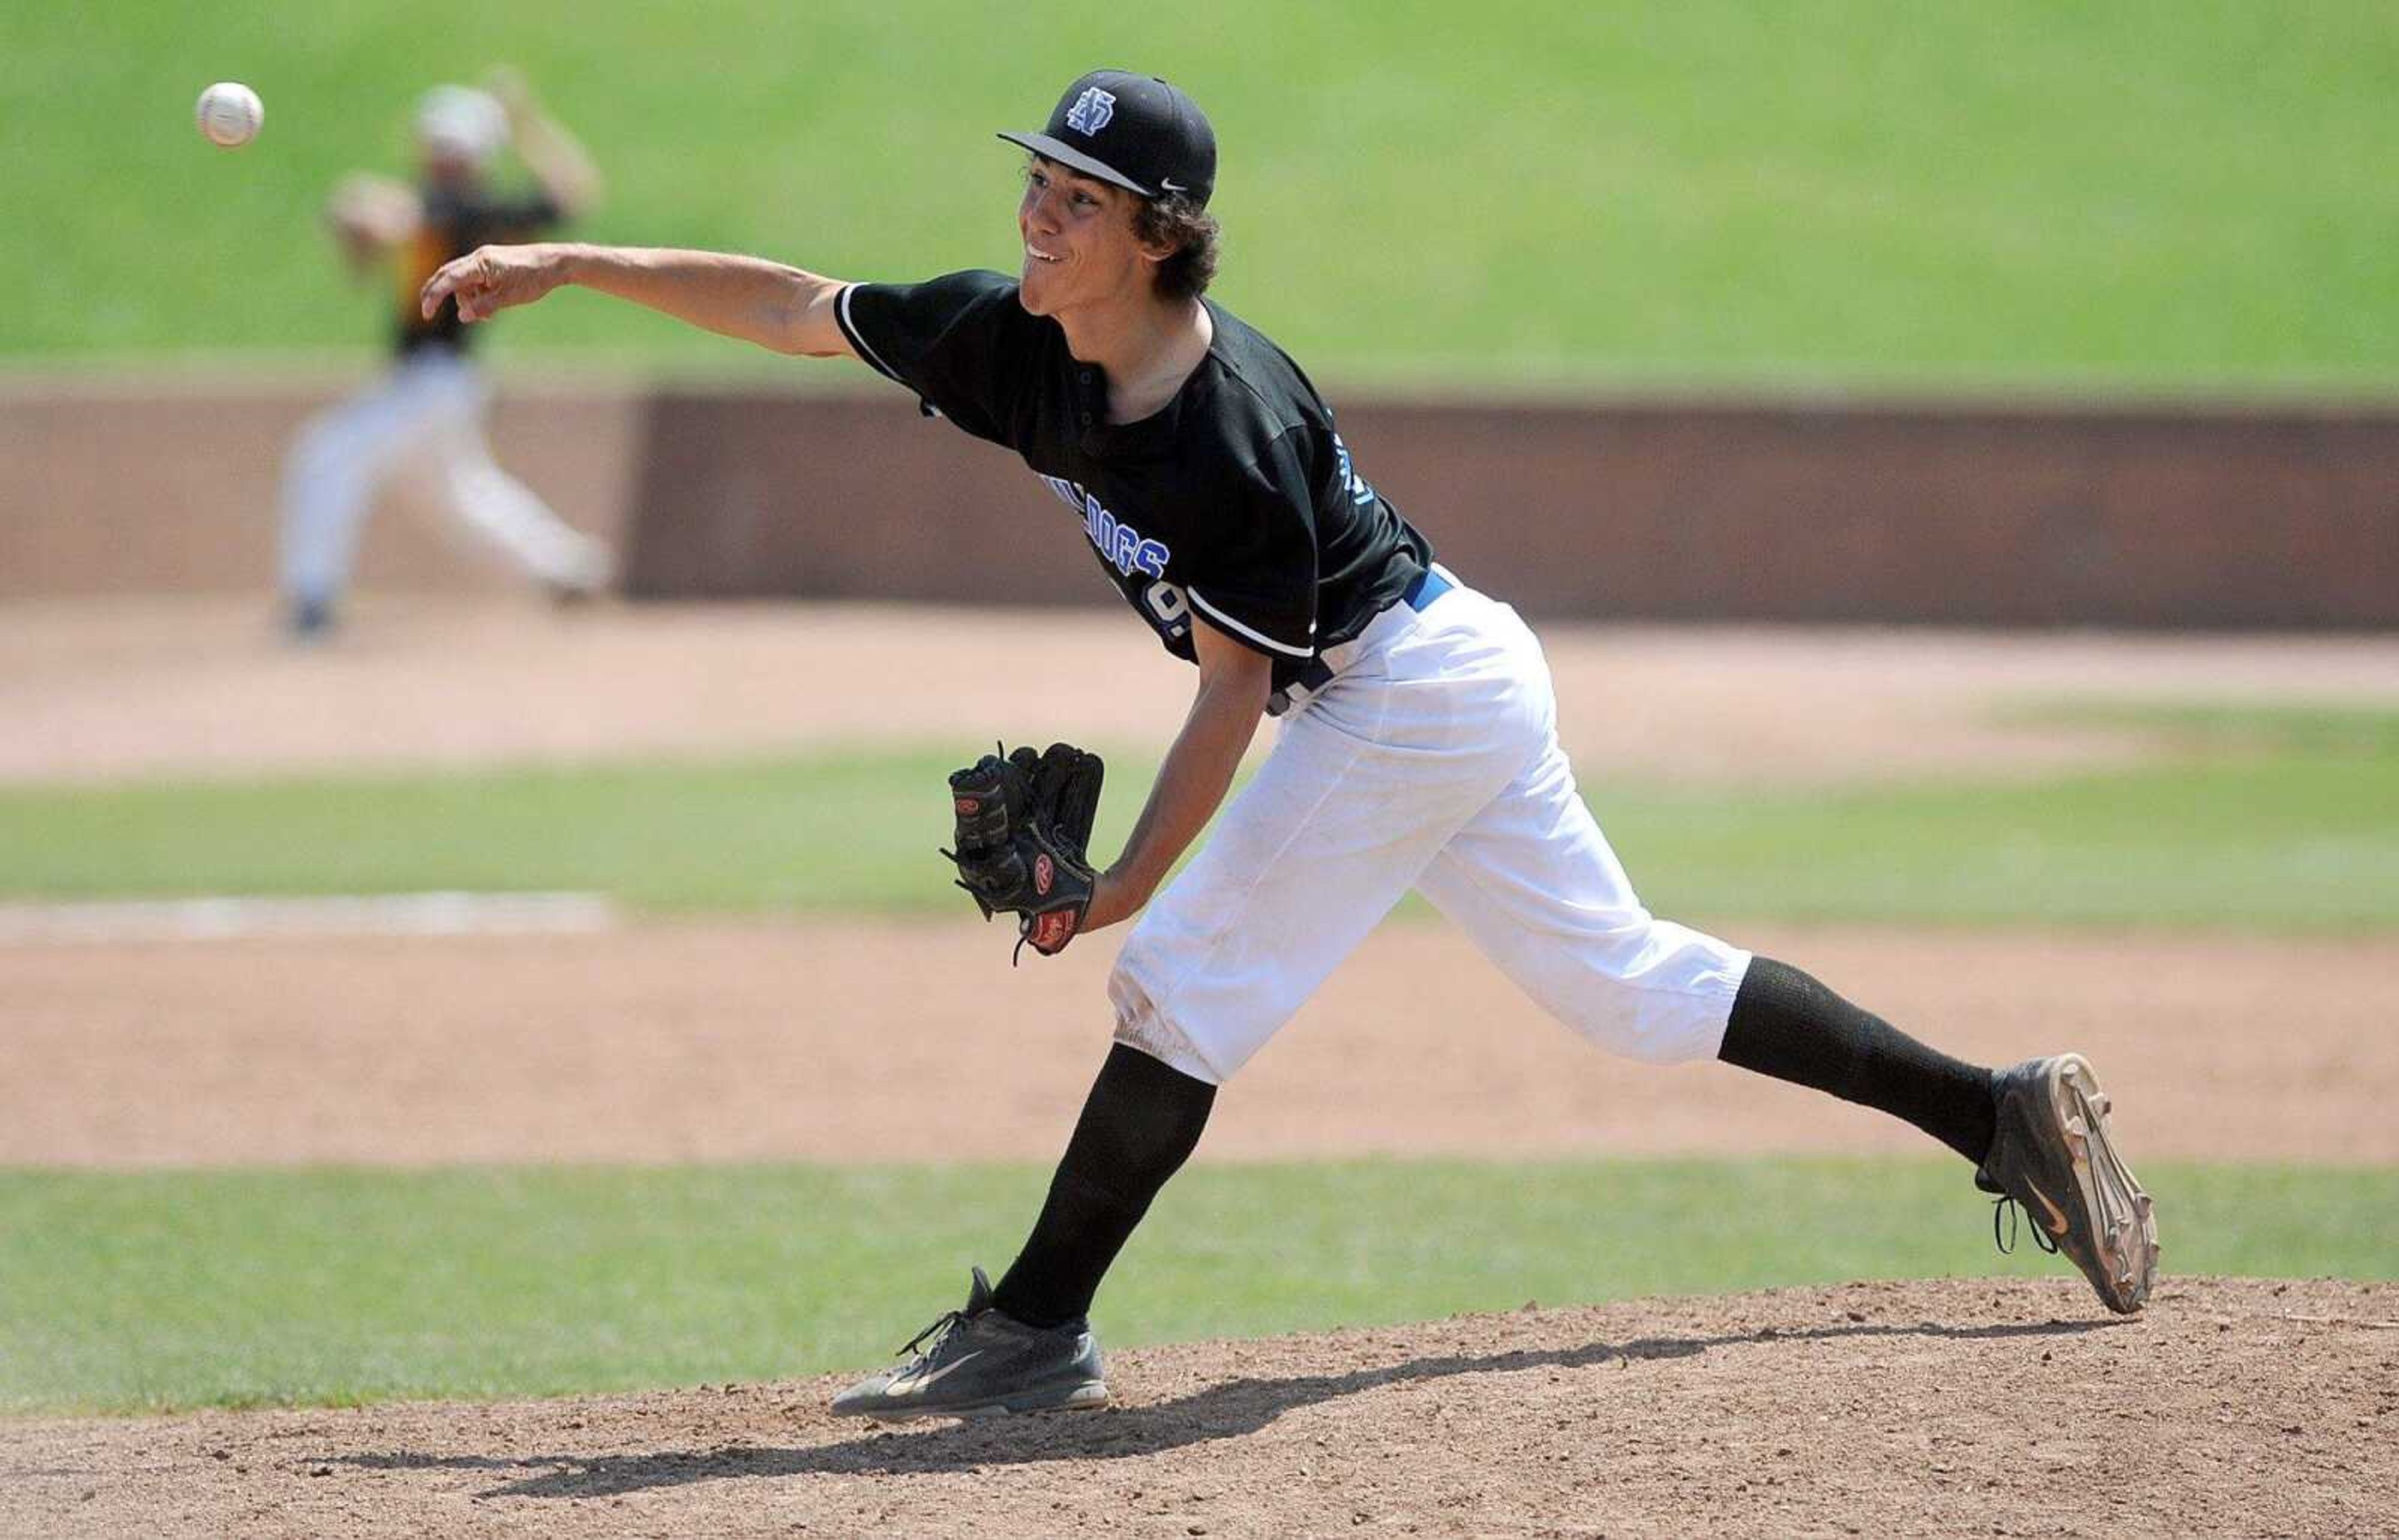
1023,821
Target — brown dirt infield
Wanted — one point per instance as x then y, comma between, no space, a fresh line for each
2232,1407
762,1041
757,1041
1987,1407
197,685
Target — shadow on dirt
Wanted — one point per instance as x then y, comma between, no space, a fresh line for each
1226,1411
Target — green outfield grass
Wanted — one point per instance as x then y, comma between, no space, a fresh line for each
2253,819
135,1292
2152,191
2202,728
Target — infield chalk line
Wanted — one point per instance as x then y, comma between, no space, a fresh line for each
228,919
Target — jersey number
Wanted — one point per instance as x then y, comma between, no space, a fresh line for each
1169,610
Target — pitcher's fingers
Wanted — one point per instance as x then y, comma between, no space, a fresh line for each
461,276
442,285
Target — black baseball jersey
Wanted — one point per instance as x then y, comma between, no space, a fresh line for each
1237,500
455,221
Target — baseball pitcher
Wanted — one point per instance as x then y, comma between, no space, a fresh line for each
1417,745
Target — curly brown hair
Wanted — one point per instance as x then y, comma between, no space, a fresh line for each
1178,222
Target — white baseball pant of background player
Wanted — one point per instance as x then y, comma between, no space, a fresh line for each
1429,760
419,431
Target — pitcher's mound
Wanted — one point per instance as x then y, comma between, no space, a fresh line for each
1951,1407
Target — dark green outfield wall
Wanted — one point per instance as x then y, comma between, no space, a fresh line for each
2005,516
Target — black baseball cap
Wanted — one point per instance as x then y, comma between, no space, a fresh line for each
1135,130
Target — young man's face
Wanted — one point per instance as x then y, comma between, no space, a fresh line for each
447,168
1079,247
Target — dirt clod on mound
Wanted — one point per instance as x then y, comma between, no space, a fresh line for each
1982,1406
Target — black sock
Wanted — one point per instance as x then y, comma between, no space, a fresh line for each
1139,1125
1786,1024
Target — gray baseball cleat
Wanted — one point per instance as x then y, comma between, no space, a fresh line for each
2052,1158
308,621
981,1362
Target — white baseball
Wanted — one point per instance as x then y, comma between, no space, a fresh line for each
230,114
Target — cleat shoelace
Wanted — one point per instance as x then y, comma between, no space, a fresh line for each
939,1329
2015,1212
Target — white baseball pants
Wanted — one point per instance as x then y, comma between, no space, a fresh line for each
418,430
1431,760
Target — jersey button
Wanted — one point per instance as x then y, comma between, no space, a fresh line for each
1086,419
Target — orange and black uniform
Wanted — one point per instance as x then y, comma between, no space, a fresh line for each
455,222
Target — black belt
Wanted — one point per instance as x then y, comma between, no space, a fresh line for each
1428,587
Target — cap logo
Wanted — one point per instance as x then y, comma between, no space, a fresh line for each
1091,111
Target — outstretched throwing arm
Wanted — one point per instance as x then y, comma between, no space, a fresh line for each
766,302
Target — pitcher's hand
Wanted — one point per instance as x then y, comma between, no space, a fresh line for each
492,278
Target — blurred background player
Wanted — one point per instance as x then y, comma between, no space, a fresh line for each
418,430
